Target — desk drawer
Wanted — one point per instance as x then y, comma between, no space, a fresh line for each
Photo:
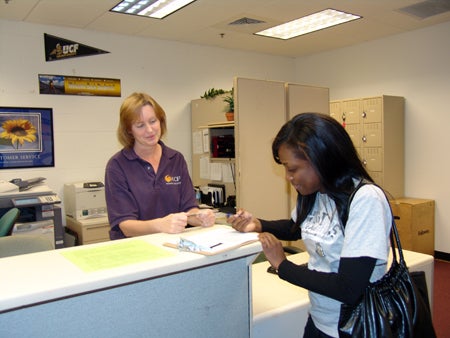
99,233
89,232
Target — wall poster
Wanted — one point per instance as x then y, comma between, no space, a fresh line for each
78,85
26,137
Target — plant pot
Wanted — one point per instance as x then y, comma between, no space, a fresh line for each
230,116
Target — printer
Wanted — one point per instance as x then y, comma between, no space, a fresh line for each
85,200
86,214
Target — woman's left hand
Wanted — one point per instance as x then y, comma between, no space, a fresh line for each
273,249
201,217
207,217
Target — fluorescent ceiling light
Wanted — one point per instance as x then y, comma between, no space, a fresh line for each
307,24
152,8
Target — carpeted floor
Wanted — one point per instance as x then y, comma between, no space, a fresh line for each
441,298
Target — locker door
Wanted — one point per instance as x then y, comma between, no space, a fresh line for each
372,135
372,110
336,112
378,177
373,159
351,111
354,131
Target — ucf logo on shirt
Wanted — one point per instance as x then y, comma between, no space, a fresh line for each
171,180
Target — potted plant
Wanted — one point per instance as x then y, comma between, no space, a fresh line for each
212,93
230,108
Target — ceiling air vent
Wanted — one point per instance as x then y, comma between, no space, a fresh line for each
245,21
425,9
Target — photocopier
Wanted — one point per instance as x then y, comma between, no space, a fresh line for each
40,213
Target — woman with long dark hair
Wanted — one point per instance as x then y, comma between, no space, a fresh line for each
348,246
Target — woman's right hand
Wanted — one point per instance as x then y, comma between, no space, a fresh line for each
244,221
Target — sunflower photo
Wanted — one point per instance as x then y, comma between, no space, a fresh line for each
26,137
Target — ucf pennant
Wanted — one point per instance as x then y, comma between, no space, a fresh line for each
59,49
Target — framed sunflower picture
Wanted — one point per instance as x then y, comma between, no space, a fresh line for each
26,137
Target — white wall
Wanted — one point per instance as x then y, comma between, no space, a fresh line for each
85,127
416,66
413,65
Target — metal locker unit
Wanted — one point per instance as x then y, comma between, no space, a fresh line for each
376,127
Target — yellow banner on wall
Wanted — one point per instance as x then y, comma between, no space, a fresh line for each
77,85
91,86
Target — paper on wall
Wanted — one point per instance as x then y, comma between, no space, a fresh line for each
216,171
197,140
205,134
204,167
227,172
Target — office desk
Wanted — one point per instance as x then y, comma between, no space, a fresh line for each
280,309
46,295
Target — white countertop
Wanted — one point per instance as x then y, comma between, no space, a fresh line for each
273,295
280,309
43,276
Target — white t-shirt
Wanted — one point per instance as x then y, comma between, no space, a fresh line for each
366,235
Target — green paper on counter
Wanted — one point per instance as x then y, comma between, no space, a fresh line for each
114,255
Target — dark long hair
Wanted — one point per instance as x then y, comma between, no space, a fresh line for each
326,145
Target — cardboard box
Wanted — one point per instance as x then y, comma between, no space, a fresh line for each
415,224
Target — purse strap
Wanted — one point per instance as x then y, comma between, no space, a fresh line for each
394,236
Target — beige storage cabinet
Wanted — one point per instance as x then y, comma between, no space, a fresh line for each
376,127
415,224
260,111
208,114
89,230
261,108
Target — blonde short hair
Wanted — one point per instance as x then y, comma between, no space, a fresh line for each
130,113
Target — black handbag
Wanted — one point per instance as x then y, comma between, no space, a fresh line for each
395,306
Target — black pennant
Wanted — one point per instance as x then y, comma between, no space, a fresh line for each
59,49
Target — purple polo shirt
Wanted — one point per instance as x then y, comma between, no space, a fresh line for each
134,191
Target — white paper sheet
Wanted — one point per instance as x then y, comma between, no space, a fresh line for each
216,171
216,240
205,133
227,172
204,168
197,142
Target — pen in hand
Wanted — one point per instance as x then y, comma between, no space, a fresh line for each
197,213
235,216
202,218
242,221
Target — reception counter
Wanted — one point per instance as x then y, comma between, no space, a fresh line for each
180,294
183,294
280,309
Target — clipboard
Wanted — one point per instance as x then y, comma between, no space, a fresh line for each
213,241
